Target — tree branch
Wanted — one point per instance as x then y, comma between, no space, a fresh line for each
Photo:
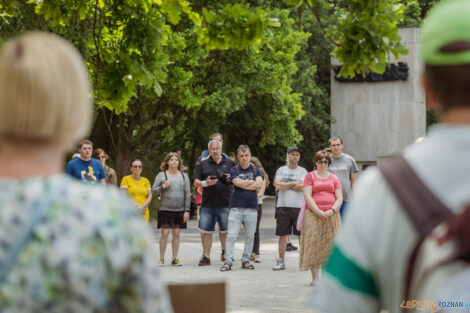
322,26
108,126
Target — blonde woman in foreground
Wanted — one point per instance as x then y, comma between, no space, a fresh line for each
65,246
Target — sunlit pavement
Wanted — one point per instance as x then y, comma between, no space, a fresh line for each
255,291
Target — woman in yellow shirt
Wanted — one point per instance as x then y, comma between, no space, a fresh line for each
138,188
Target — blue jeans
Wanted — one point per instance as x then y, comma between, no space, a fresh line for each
342,209
235,219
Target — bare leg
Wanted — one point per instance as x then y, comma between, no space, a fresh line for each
314,271
175,242
282,246
163,240
206,244
223,239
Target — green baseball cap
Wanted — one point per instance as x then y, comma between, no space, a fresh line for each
448,22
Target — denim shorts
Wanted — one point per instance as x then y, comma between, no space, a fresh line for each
209,216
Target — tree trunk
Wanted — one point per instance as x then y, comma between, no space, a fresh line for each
124,153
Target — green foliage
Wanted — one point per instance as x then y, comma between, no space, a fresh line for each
167,73
246,95
412,13
363,32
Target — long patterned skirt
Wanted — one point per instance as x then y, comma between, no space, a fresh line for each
316,239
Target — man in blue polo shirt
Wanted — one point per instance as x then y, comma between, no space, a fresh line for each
85,168
247,179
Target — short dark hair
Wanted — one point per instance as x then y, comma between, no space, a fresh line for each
134,160
243,148
335,138
84,142
450,84
320,155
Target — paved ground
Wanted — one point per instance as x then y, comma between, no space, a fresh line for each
260,290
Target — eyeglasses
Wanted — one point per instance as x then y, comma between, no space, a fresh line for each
323,162
137,166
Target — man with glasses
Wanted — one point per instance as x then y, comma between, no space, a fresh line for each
344,167
289,183
213,174
85,168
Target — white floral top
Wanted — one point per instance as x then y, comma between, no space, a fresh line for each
92,252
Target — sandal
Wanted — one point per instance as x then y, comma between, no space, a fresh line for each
226,267
247,266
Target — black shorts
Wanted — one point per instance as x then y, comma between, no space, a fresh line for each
286,221
170,219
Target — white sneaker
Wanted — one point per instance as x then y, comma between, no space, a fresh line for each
280,265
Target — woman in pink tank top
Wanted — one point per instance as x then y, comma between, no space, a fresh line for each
323,197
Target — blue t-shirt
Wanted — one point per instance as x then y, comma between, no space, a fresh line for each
90,172
242,198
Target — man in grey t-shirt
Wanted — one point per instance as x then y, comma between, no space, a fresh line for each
289,182
344,166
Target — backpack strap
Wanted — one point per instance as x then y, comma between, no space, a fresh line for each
184,190
421,206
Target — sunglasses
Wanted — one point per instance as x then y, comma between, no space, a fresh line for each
137,166
323,162
102,157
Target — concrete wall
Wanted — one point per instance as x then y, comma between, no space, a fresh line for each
377,120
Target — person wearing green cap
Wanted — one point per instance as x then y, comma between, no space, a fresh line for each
371,259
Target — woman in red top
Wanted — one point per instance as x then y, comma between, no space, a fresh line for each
323,197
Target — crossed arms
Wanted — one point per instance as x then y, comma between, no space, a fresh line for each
290,185
248,184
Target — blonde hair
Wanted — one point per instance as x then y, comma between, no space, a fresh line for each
44,89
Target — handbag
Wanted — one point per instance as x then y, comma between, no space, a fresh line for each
300,218
303,206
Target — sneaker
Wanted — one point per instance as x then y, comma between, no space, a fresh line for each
256,260
280,265
176,262
161,262
252,256
291,247
222,256
204,261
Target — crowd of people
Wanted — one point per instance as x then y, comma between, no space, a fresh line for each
66,246
229,193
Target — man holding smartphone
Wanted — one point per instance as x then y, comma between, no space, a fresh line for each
213,174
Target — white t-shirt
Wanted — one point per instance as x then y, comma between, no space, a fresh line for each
290,198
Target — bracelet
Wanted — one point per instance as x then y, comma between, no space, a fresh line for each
333,210
204,183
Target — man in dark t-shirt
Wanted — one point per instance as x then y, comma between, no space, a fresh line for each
85,168
213,174
247,179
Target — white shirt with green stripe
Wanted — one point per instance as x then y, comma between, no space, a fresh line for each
366,271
